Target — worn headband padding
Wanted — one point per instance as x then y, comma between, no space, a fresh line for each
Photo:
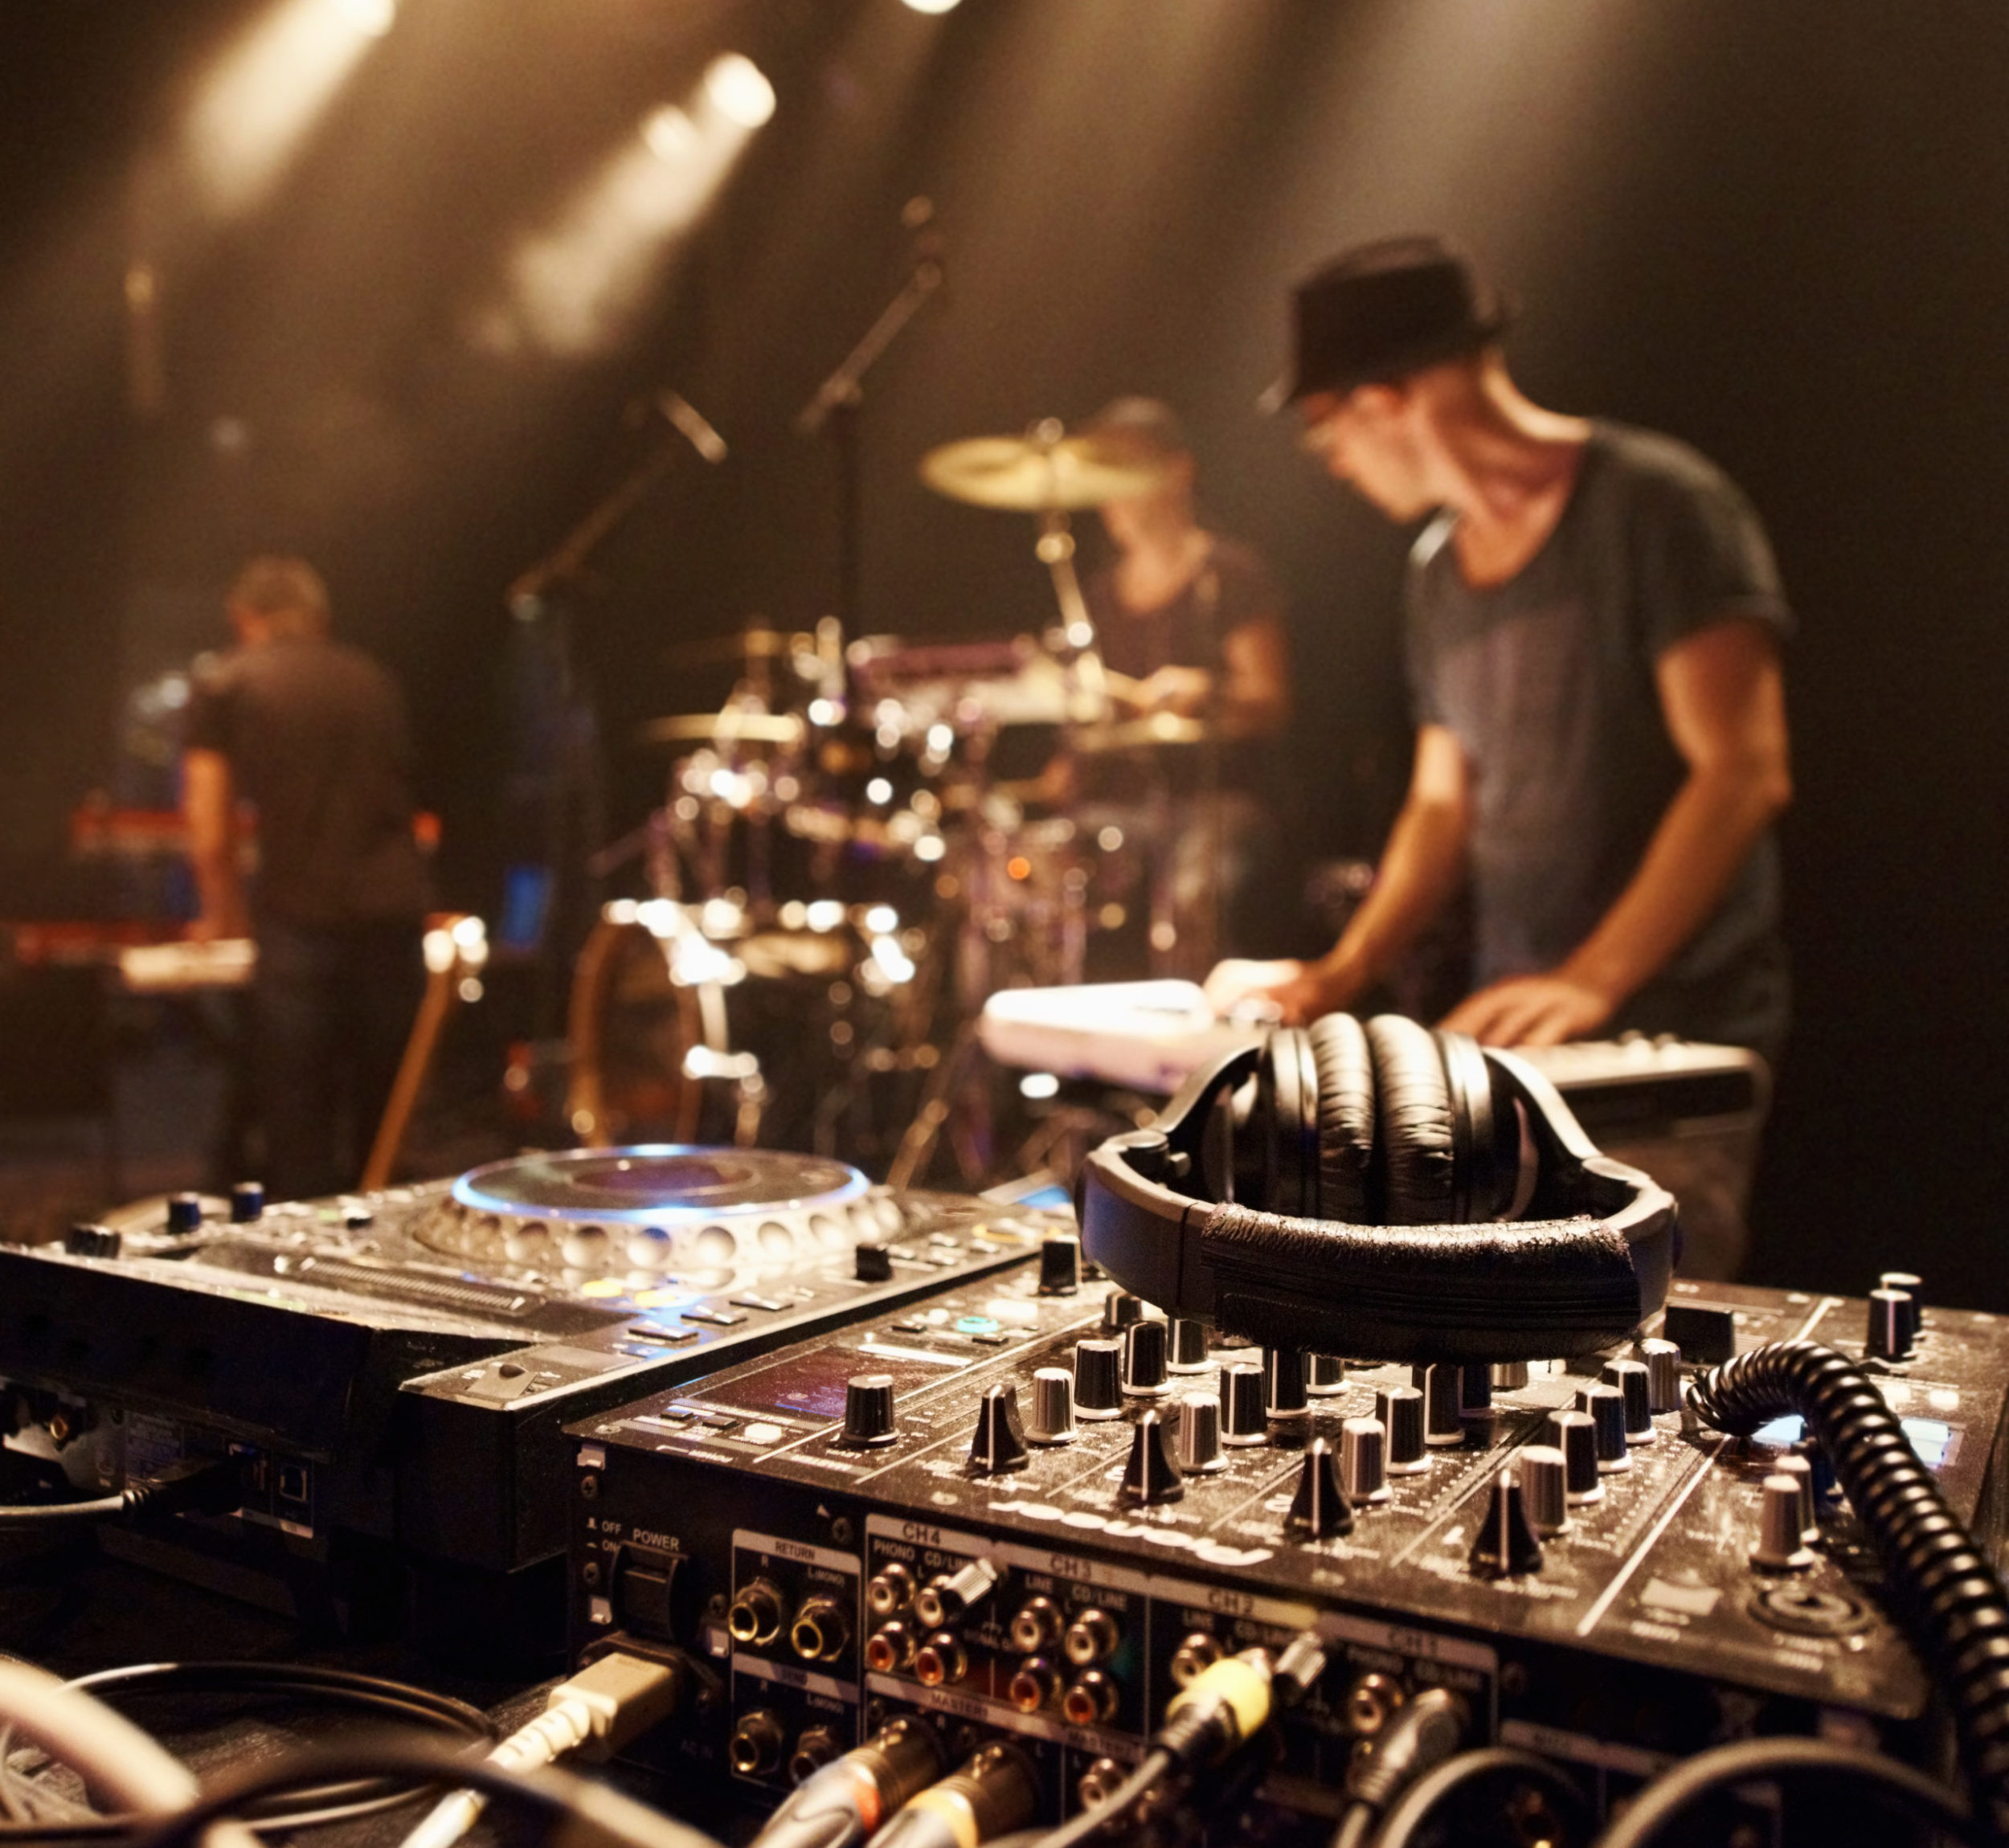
1524,1289
1418,1142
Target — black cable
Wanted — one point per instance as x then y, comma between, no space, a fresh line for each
55,1513
1942,1587
306,1808
555,1794
1414,1808
1155,1764
1673,1791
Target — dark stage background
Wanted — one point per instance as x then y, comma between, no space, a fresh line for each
1775,231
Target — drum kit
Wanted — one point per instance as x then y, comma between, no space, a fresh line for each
843,868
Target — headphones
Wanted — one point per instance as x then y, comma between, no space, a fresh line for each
1380,1190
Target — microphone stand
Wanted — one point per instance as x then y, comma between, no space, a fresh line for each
838,402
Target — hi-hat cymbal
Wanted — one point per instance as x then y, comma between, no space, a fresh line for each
723,728
1023,475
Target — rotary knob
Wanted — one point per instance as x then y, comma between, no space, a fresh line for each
1242,1422
1801,1472
1200,1436
1364,1460
184,1212
1120,1310
999,1444
1780,1547
1144,1359
1892,1324
1913,1285
1663,1374
871,1262
247,1202
1399,1410
1151,1477
1475,1388
868,1411
1630,1377
1188,1338
1053,1407
1319,1509
1325,1376
1098,1386
1573,1433
1506,1546
1606,1406
1509,1376
1059,1264
1543,1472
1284,1398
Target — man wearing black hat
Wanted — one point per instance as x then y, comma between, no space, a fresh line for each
1593,628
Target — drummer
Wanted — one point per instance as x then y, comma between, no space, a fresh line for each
1188,624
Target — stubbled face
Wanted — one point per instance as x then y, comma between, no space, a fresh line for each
1165,508
1369,439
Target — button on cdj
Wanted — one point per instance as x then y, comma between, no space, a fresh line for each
714,1318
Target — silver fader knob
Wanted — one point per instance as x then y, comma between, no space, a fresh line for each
1443,1406
1242,1422
1098,1385
1189,1346
1324,1375
1052,1407
1543,1486
1606,1406
1630,1377
1399,1410
1284,1398
1801,1472
1664,1375
1509,1376
1780,1547
1144,1359
1200,1436
1573,1433
1364,1460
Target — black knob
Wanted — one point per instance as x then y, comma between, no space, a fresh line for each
1802,1471
1059,1264
1664,1375
1200,1435
1364,1454
1630,1377
1705,1333
1606,1405
1913,1285
1324,1375
1098,1391
184,1212
872,1263
247,1202
1144,1359
1053,1406
868,1410
1475,1387
83,1240
1242,1422
1284,1398
1545,1481
1000,1442
1505,1546
1573,1433
1892,1323
1400,1409
1782,1545
1319,1509
1188,1345
1152,1476
1119,1310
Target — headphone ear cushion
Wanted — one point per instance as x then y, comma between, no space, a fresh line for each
1417,1143
1344,1070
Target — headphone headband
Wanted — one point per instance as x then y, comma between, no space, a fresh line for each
1590,1263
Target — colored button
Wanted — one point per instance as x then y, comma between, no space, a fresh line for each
975,1325
767,1302
718,1421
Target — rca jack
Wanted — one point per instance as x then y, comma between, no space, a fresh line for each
1371,1704
818,1746
1092,1699
1098,1782
821,1630
889,1648
889,1591
940,1660
755,1746
1194,1657
1091,1638
1036,1686
1037,1626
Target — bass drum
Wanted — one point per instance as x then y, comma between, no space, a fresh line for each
630,1028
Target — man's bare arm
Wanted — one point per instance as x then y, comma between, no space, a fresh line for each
208,804
1420,867
1722,693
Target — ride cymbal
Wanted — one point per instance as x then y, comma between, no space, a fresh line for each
1028,474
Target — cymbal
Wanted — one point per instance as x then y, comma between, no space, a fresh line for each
1023,476
1131,733
723,728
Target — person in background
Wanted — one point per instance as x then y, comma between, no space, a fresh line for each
312,734
1594,622
1187,623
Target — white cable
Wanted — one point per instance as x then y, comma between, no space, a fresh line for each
562,1726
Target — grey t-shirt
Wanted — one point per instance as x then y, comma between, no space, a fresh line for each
1547,681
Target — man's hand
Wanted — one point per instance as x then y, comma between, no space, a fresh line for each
1530,1011
1298,991
1175,689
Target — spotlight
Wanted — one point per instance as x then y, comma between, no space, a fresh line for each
932,5
738,91
374,17
670,133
